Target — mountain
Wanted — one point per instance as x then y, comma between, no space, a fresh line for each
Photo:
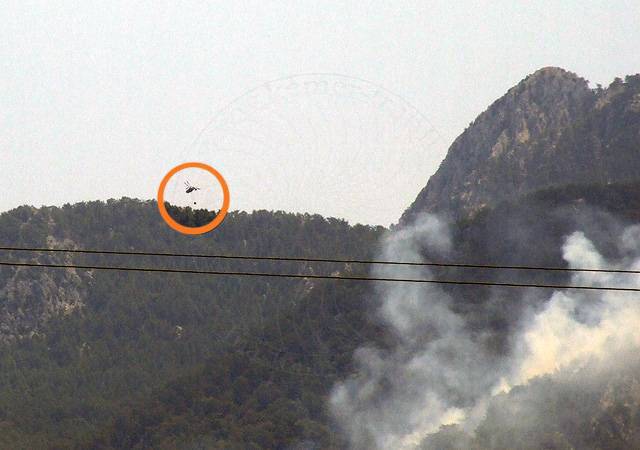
548,130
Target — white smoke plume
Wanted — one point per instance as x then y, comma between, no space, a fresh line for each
578,327
439,373
434,374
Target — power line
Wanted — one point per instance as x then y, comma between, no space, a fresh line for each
327,260
318,277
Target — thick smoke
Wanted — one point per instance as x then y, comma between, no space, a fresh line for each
577,327
438,373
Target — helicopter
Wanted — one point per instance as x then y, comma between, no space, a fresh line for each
190,188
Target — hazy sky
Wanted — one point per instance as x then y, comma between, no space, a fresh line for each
100,100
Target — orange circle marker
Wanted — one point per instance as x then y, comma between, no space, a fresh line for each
204,228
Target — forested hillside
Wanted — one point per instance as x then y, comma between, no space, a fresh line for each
190,361
267,348
592,408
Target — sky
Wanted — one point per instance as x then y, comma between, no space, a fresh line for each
99,100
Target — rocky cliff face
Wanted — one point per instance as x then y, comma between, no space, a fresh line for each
550,129
28,298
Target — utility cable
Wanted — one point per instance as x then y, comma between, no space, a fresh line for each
327,260
318,277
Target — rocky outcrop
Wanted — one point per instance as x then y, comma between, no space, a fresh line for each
30,297
550,129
